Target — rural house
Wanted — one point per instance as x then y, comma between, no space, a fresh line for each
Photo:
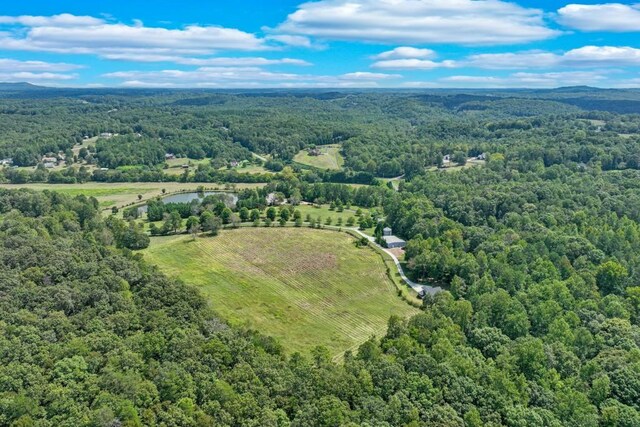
49,159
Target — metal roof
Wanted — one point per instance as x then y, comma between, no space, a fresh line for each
393,239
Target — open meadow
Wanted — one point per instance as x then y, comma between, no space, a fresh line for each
329,158
305,287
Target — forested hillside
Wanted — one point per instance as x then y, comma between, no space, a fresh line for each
537,247
540,327
381,134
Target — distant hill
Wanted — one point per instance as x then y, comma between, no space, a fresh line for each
19,86
577,89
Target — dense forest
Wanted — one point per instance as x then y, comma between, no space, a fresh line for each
538,250
381,134
540,326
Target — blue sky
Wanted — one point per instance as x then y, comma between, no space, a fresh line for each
324,43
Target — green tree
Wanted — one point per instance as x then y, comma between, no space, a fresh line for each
611,277
173,222
271,213
244,214
225,215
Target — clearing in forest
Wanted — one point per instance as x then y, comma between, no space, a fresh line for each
329,157
305,287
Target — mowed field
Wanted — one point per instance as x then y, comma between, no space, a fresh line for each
329,159
305,287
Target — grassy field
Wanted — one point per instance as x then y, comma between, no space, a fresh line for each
175,165
305,287
453,167
329,159
121,193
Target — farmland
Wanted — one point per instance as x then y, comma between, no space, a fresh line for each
330,158
305,287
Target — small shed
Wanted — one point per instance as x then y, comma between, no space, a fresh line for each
387,231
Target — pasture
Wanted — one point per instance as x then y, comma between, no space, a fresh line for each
305,287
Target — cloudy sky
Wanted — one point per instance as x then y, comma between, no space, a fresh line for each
324,43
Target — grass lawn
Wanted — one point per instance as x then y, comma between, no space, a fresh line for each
175,165
453,167
305,287
324,212
329,159
248,168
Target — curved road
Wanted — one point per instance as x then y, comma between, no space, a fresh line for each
415,286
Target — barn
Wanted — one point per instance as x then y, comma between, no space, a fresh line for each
394,242
391,240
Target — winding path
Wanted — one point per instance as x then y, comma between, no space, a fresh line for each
432,290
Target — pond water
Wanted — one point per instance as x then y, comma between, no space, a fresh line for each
230,199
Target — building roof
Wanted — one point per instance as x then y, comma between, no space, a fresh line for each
393,239
386,229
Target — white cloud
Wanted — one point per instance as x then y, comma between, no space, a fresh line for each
27,76
409,58
513,60
215,61
628,83
12,70
471,22
239,77
403,52
528,80
603,55
611,17
587,56
412,64
13,65
86,35
62,20
363,75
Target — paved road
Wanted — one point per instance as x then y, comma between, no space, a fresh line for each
415,286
